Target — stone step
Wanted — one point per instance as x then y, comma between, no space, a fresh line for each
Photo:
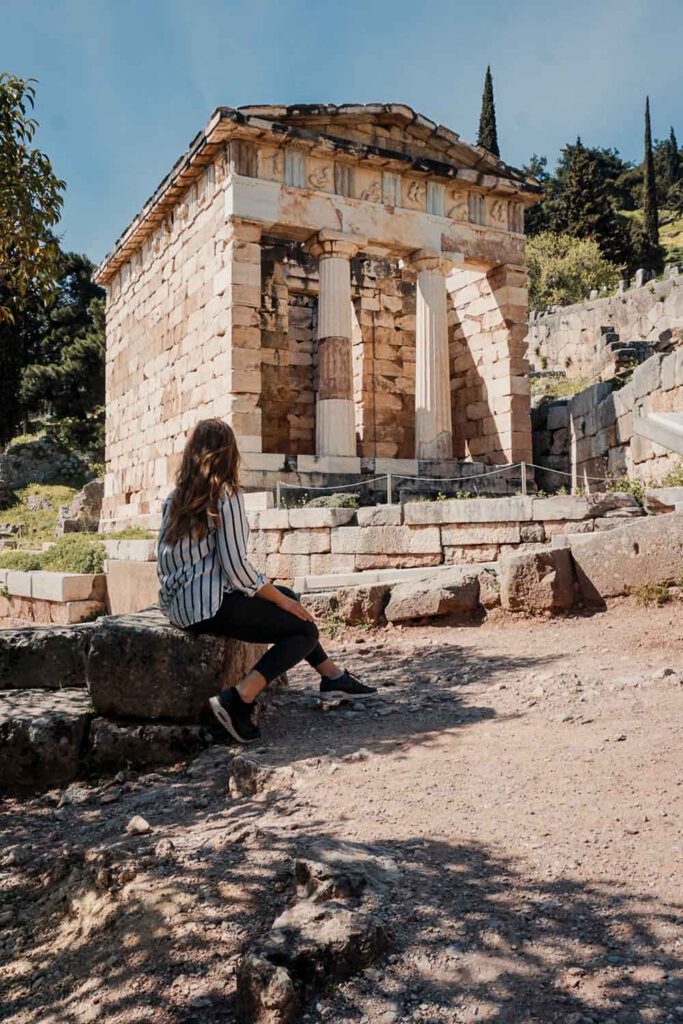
44,657
42,735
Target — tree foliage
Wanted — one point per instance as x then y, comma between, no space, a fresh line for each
30,201
564,269
651,250
487,136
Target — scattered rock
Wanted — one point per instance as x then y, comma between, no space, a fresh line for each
452,591
140,666
537,582
138,826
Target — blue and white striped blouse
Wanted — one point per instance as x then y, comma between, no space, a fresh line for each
194,574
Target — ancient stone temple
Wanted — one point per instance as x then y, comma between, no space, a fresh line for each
344,285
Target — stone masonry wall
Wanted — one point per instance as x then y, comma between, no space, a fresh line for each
166,359
594,430
570,338
488,351
290,543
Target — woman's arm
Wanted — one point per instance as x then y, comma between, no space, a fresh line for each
232,552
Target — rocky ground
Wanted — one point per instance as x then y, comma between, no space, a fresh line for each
513,797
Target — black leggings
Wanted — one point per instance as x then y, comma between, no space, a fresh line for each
261,622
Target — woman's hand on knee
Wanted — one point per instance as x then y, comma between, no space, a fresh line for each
288,604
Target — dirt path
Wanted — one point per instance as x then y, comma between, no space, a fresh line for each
526,777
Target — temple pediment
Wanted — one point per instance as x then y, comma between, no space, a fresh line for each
391,127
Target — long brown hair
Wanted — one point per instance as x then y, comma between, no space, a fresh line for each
210,463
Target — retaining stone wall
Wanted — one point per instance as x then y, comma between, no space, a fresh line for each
570,337
290,543
595,429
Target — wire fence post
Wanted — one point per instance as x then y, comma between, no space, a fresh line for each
277,494
523,467
390,492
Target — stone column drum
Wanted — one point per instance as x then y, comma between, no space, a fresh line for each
433,427
335,431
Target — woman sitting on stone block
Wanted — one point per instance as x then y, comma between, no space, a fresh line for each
209,586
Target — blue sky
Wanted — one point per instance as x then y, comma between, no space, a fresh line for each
125,84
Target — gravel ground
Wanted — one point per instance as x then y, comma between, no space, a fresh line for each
526,777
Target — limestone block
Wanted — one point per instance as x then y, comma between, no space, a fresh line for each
537,581
272,519
487,510
453,591
120,744
420,513
67,613
322,565
140,666
647,376
62,586
558,416
264,542
561,506
663,499
286,567
564,526
310,518
476,533
406,561
386,540
41,735
19,583
380,515
43,658
533,533
647,550
471,554
305,542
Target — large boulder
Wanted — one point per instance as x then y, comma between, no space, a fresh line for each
116,744
538,581
646,551
41,737
43,657
140,666
450,592
355,605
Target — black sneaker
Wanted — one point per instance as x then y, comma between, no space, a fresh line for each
235,716
344,688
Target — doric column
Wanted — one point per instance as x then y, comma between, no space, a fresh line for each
433,428
335,431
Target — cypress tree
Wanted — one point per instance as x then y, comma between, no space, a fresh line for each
650,216
673,160
487,137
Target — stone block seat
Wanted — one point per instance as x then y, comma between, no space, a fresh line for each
125,689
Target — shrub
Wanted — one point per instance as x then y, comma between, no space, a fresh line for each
130,533
674,478
651,593
625,486
74,553
24,561
564,269
334,501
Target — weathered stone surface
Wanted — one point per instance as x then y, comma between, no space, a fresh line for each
453,591
386,540
481,533
561,507
647,550
469,510
140,666
116,744
41,736
489,588
352,604
532,533
313,518
307,541
663,499
379,561
537,582
44,658
380,515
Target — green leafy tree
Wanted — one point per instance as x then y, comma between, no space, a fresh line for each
582,207
30,207
65,383
564,269
487,136
651,252
673,163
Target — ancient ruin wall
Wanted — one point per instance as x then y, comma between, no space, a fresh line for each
166,358
569,338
